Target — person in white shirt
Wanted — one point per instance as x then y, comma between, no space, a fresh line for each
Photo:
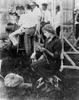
37,12
58,20
46,15
77,25
27,24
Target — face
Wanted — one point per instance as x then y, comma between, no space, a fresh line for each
43,7
46,33
18,11
32,6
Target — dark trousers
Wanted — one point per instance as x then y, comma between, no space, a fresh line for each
58,31
77,31
29,41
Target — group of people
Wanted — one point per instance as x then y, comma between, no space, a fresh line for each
31,21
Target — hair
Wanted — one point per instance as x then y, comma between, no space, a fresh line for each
44,4
17,8
20,8
13,13
28,6
49,28
58,7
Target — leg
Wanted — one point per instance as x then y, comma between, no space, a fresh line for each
13,37
29,41
77,31
58,31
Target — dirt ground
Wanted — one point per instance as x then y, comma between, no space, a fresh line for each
69,85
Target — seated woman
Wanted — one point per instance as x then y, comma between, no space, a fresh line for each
49,61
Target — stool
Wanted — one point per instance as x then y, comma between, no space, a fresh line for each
20,45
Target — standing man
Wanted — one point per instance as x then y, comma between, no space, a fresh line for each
77,25
37,12
58,21
46,15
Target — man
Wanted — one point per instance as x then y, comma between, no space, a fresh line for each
58,20
27,24
37,12
46,16
77,25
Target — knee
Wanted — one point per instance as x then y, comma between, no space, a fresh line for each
11,35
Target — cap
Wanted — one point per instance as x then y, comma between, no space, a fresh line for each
44,4
49,28
57,7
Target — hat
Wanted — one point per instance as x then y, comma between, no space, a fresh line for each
13,80
44,4
49,28
33,3
57,7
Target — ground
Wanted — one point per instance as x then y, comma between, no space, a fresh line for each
69,85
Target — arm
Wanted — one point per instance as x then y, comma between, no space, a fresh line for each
50,53
57,49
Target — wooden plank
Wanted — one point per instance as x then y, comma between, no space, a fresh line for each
69,59
70,44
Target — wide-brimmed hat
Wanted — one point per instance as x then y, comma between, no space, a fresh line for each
49,28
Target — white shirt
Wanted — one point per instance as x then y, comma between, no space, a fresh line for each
37,13
76,22
27,20
46,16
58,19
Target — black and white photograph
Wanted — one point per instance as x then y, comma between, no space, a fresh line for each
39,49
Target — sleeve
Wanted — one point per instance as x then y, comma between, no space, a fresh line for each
49,16
57,48
58,20
20,22
39,13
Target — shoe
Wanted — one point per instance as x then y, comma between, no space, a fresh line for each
56,82
1,78
40,82
50,80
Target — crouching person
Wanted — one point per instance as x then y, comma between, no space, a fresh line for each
49,61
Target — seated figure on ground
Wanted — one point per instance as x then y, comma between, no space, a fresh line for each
49,61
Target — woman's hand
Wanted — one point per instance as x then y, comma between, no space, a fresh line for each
41,48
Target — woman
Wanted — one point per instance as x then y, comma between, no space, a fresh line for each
49,61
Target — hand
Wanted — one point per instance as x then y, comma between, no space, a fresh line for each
41,48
